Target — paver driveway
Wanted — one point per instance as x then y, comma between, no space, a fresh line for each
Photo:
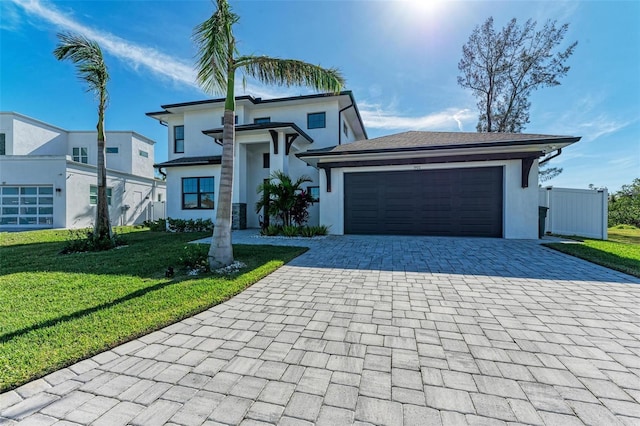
377,330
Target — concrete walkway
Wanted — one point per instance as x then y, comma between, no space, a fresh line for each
376,330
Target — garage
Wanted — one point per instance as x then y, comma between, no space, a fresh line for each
443,202
28,206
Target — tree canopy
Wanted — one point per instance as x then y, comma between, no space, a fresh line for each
624,205
503,68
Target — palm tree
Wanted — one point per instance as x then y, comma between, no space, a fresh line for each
87,56
217,63
282,197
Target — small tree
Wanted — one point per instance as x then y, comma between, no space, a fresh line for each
284,198
503,68
87,56
547,173
624,205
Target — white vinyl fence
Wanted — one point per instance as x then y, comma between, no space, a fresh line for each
581,212
156,210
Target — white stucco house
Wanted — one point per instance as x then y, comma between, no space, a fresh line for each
412,183
48,176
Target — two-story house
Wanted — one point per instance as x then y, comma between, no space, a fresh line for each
411,183
269,132
48,176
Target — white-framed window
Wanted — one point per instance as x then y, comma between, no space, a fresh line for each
93,195
142,153
80,154
112,150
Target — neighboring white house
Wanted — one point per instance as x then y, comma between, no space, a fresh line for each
48,176
412,183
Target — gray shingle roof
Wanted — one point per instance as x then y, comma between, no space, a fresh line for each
191,161
415,140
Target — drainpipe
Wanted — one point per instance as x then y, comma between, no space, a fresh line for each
340,122
549,157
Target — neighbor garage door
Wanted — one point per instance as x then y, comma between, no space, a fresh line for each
453,202
26,206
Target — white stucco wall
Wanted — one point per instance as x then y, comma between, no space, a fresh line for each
127,190
520,217
174,191
27,136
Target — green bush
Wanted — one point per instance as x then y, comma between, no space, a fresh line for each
271,231
320,230
290,231
159,225
84,240
180,225
195,256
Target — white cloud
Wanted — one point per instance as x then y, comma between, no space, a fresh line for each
137,56
377,117
158,63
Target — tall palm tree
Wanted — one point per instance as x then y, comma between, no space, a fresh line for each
87,56
217,63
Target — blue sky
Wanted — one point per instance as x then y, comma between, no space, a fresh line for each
399,58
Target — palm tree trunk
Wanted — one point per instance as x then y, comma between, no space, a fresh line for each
102,227
221,250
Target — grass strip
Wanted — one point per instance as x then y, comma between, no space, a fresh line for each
619,256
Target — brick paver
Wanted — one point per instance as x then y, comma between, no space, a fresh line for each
376,330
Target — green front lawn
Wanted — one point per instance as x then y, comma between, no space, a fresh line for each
58,309
625,234
621,252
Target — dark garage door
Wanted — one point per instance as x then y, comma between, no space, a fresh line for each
450,202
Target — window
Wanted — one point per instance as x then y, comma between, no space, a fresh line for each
93,195
316,120
222,120
3,144
262,120
81,155
144,154
345,129
159,197
266,161
178,139
315,192
197,193
112,150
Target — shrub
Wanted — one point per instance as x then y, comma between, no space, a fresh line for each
306,231
195,256
180,225
271,230
290,231
159,225
83,240
320,230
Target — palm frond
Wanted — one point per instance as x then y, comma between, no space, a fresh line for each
216,48
87,56
291,72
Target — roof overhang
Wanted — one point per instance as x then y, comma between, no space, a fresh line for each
191,161
498,149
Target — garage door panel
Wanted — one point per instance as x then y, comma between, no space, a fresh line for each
425,202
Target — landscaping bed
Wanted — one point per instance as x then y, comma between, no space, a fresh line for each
58,309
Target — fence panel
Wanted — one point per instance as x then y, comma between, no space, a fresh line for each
581,212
